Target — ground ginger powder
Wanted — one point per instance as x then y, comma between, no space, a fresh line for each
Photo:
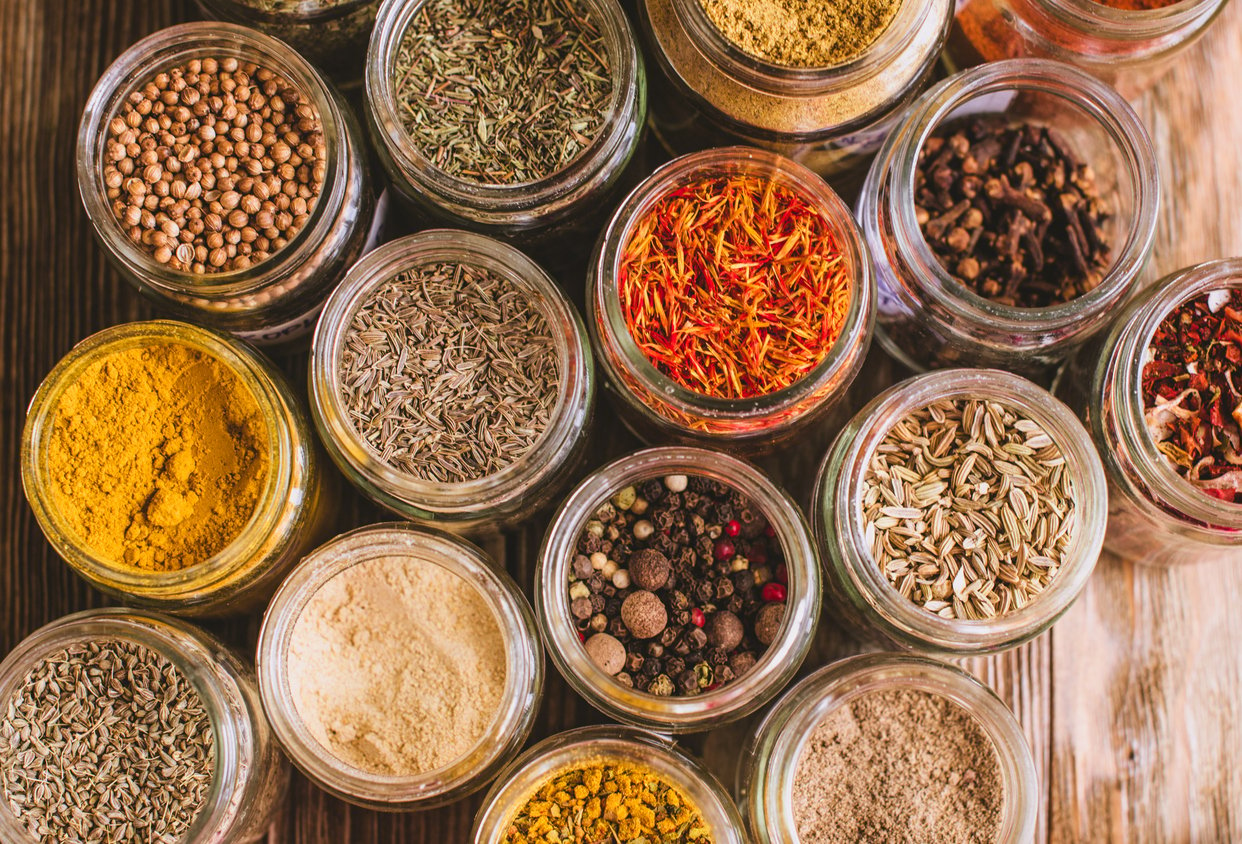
157,457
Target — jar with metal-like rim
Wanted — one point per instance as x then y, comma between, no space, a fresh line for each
519,488
773,752
868,602
250,773
774,668
276,299
293,503
519,701
928,319
603,746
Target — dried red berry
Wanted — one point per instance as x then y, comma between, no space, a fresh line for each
697,618
782,574
724,549
769,531
733,528
773,592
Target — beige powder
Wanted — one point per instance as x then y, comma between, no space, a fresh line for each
397,666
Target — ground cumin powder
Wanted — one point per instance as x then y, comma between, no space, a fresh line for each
802,33
157,457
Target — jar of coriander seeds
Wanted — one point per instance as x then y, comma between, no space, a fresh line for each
133,724
1162,411
960,512
172,467
677,589
225,178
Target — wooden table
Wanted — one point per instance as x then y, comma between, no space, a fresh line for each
1131,704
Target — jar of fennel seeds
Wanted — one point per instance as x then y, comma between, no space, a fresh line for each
172,467
186,755
451,380
833,761
400,667
549,793
977,541
534,126
769,351
677,589
929,315
1169,436
225,178
773,77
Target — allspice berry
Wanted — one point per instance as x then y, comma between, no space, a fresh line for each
741,662
768,622
644,615
606,652
649,569
724,630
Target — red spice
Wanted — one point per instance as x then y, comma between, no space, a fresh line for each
772,593
733,527
697,617
1192,391
734,286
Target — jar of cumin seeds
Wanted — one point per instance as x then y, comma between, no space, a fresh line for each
272,300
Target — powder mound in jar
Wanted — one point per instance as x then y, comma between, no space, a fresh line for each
105,741
802,33
397,665
157,457
898,765
214,165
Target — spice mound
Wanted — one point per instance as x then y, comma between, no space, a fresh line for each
105,741
449,372
157,457
397,666
734,286
604,803
214,165
678,587
1012,213
898,765
969,508
802,33
502,93
1192,398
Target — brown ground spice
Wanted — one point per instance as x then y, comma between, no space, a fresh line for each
802,33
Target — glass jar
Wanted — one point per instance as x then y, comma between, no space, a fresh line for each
603,745
518,489
275,300
657,408
829,119
1155,515
734,700
1128,49
770,758
523,679
549,210
291,511
251,775
927,319
861,593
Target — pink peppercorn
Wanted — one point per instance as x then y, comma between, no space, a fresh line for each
724,549
697,618
733,527
773,593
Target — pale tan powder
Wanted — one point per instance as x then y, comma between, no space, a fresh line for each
397,666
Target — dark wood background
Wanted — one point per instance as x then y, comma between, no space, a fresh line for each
1131,704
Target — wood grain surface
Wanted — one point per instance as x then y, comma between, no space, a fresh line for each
1131,703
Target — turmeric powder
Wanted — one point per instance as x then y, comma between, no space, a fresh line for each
157,457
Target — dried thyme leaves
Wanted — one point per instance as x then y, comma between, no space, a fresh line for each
449,372
968,508
502,93
106,742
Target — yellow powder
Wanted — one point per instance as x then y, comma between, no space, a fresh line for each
157,456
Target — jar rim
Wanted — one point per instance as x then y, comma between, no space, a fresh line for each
1116,24
306,12
774,668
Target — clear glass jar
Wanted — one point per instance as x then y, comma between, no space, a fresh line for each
251,775
828,119
734,700
277,299
1128,49
523,486
927,319
289,516
604,745
558,206
657,408
523,679
873,608
1155,515
771,756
